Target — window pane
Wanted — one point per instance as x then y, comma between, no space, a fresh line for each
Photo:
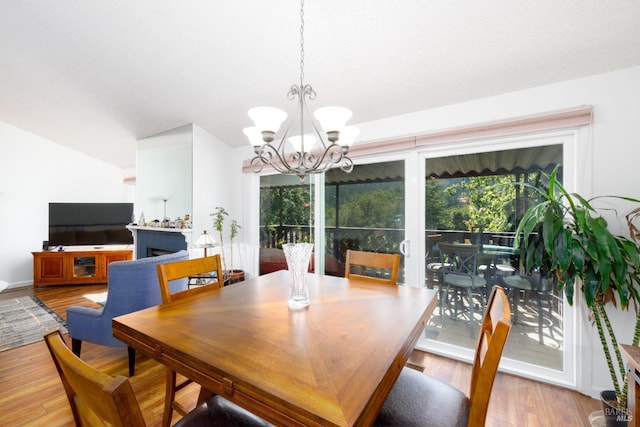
364,210
472,200
286,216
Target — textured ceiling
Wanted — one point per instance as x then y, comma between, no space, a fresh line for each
96,75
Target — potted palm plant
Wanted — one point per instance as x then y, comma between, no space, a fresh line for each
563,235
232,275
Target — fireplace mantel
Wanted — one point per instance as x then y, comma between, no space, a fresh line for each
162,238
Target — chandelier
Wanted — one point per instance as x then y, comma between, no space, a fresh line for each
303,153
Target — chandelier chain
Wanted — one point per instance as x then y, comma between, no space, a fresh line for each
301,43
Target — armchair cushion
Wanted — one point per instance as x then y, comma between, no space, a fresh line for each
132,286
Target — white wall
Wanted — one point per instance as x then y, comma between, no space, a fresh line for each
33,172
216,175
164,171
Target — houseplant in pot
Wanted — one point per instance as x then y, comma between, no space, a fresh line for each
232,275
564,236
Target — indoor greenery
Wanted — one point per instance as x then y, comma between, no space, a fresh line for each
218,224
564,236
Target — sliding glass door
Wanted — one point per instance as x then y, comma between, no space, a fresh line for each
364,211
468,194
477,200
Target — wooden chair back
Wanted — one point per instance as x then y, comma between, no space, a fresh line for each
496,324
96,398
189,268
390,262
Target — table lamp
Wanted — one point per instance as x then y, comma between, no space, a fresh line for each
205,241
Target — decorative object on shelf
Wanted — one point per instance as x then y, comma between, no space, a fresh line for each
303,160
205,241
298,256
232,275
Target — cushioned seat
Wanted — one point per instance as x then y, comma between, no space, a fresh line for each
219,412
442,405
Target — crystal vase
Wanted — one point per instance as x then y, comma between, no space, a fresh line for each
298,256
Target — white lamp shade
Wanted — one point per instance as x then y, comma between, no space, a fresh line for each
296,141
205,241
348,135
254,135
332,119
267,118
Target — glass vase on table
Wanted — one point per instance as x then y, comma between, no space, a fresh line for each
298,256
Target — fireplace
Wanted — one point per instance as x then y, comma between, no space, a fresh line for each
155,241
157,252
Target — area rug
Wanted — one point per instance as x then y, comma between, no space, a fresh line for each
24,320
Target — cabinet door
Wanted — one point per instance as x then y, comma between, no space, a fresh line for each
49,269
111,257
85,267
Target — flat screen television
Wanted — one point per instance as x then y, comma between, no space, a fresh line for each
89,223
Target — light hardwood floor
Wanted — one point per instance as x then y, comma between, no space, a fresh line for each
31,393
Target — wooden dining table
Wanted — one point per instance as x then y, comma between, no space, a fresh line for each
332,363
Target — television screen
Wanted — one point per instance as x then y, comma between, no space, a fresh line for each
89,223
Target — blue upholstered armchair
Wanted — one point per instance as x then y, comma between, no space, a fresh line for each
132,286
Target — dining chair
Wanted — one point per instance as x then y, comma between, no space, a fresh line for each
417,399
98,399
387,266
166,274
461,279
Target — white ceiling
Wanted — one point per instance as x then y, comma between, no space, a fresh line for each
96,75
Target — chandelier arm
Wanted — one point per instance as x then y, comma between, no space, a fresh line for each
266,154
332,155
315,127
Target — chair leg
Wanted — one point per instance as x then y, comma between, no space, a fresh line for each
170,394
441,295
471,311
540,319
203,395
76,346
132,360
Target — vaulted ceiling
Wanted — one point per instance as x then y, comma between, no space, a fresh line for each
96,75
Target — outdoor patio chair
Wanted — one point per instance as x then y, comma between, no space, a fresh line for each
462,281
532,286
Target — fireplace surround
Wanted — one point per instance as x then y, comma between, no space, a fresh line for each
154,241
